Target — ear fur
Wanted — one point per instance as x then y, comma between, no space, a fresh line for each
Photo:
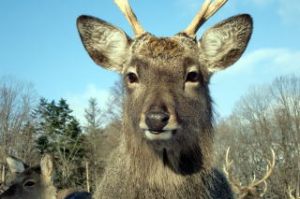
15,165
107,45
223,44
47,168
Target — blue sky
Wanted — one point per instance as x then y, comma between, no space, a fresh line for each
39,43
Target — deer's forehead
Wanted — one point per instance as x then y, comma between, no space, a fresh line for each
32,173
164,48
164,55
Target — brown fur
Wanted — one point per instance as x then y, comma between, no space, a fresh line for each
155,71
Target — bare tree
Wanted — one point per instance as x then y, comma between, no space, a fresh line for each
267,116
17,99
114,107
94,116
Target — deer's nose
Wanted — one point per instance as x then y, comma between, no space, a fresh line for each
157,120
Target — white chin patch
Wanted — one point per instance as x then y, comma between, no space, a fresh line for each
166,135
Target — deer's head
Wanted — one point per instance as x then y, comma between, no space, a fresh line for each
166,78
31,182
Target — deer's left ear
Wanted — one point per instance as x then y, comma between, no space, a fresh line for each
223,44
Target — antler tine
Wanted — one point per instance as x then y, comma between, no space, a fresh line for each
289,191
130,16
228,163
265,189
206,11
226,169
213,8
198,19
270,168
254,178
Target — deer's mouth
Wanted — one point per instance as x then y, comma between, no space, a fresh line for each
159,135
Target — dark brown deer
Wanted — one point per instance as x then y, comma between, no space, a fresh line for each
250,191
167,134
36,182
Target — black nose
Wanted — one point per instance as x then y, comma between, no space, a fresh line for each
156,121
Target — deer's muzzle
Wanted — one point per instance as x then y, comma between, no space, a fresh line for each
156,121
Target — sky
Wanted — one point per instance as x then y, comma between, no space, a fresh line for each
39,43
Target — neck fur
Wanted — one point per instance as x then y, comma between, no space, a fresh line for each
165,168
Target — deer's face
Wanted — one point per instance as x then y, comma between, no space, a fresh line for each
31,182
166,79
26,185
166,89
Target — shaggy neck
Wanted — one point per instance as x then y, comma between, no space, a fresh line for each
168,166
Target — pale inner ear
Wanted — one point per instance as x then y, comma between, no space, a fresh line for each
223,44
47,168
15,165
219,50
107,45
115,49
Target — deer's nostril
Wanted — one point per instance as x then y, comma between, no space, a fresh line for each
156,121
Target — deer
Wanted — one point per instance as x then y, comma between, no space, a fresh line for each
165,148
36,182
251,190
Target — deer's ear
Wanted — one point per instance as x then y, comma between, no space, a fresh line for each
223,44
15,165
107,45
47,168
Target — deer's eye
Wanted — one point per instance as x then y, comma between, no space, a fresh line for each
132,78
192,76
29,183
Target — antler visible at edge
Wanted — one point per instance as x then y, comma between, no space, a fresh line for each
244,191
130,16
207,10
269,170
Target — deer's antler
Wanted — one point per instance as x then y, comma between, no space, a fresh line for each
206,11
226,168
289,192
243,191
130,16
269,170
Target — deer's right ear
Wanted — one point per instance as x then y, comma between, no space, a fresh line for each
15,165
107,45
